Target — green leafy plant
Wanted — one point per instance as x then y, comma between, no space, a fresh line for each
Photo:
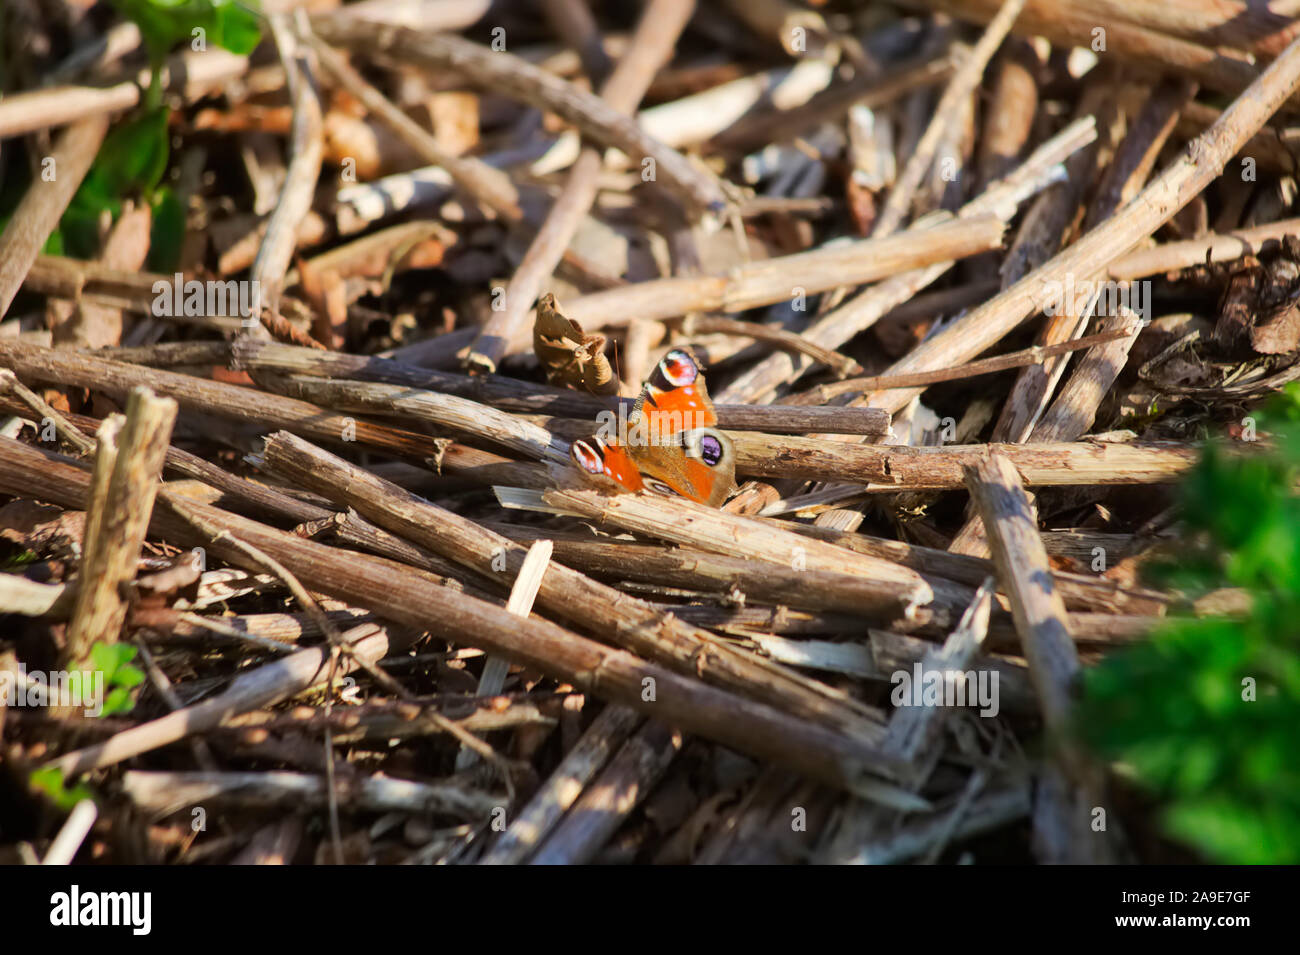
1206,714
231,24
133,157
120,676
50,781
131,161
18,561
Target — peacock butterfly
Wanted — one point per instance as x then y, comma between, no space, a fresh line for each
669,444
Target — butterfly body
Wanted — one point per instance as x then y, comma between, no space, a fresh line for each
670,445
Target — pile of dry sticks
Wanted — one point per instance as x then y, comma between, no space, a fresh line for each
969,280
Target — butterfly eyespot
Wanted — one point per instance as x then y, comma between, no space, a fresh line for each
679,368
710,450
705,446
659,487
587,457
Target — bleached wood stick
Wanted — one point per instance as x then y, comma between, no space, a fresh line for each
898,467
436,16
1025,574
1173,256
780,279
307,146
27,112
63,427
126,502
33,599
522,595
162,793
44,202
697,118
988,812
912,729
1065,798
897,651
520,603
73,832
1075,408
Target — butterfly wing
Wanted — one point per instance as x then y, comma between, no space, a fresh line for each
675,398
607,465
701,466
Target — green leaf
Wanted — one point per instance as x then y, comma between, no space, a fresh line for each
113,660
50,782
232,24
104,658
1226,833
19,560
167,233
128,676
162,23
118,701
131,161
235,26
134,155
